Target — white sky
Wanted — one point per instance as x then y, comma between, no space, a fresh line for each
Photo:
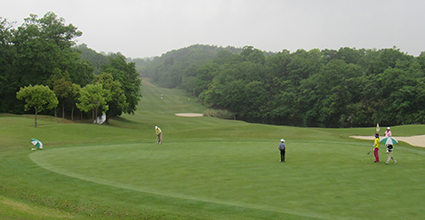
145,28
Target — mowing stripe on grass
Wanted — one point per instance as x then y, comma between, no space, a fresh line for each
236,173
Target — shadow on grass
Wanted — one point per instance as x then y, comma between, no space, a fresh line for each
124,120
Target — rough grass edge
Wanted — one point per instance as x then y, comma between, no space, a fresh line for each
218,113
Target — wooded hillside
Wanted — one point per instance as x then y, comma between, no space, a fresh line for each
328,88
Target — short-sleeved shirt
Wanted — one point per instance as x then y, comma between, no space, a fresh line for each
157,131
376,145
282,146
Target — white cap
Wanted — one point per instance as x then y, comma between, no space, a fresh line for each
388,128
282,140
156,127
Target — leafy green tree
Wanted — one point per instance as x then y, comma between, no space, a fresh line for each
93,97
253,55
276,65
74,95
58,76
35,50
126,74
282,107
334,92
117,103
247,50
82,72
367,111
204,77
90,55
7,54
329,55
189,79
255,101
400,86
303,65
42,45
213,97
350,55
62,89
377,61
38,97
222,57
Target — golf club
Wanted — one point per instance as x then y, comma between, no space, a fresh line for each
370,151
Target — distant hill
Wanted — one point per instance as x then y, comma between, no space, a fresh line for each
95,58
167,70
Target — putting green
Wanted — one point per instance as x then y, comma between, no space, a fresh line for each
317,177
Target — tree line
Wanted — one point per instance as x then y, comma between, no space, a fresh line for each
41,54
348,87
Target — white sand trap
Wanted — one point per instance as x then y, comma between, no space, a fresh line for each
418,140
190,114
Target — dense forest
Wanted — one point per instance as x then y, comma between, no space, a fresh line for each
41,52
348,87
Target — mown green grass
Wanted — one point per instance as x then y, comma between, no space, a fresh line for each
206,168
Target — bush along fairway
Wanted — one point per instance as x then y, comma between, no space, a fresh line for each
206,168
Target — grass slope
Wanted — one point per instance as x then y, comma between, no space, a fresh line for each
206,168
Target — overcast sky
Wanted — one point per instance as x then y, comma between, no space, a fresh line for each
145,28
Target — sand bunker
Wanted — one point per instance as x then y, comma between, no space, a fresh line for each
190,114
418,140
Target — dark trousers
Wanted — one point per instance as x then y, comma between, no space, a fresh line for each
282,155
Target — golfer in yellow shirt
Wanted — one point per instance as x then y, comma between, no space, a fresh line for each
376,148
158,132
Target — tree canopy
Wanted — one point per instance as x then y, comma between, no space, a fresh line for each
37,97
326,88
42,51
94,98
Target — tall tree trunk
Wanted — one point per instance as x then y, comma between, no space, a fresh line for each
92,115
108,116
95,116
72,113
63,110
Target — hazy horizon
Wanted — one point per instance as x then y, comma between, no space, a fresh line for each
140,29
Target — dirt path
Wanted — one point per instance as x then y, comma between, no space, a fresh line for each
418,140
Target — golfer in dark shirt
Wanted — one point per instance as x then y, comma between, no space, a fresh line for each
282,148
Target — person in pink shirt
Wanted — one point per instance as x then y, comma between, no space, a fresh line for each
388,132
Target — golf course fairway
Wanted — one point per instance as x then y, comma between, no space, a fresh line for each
206,168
